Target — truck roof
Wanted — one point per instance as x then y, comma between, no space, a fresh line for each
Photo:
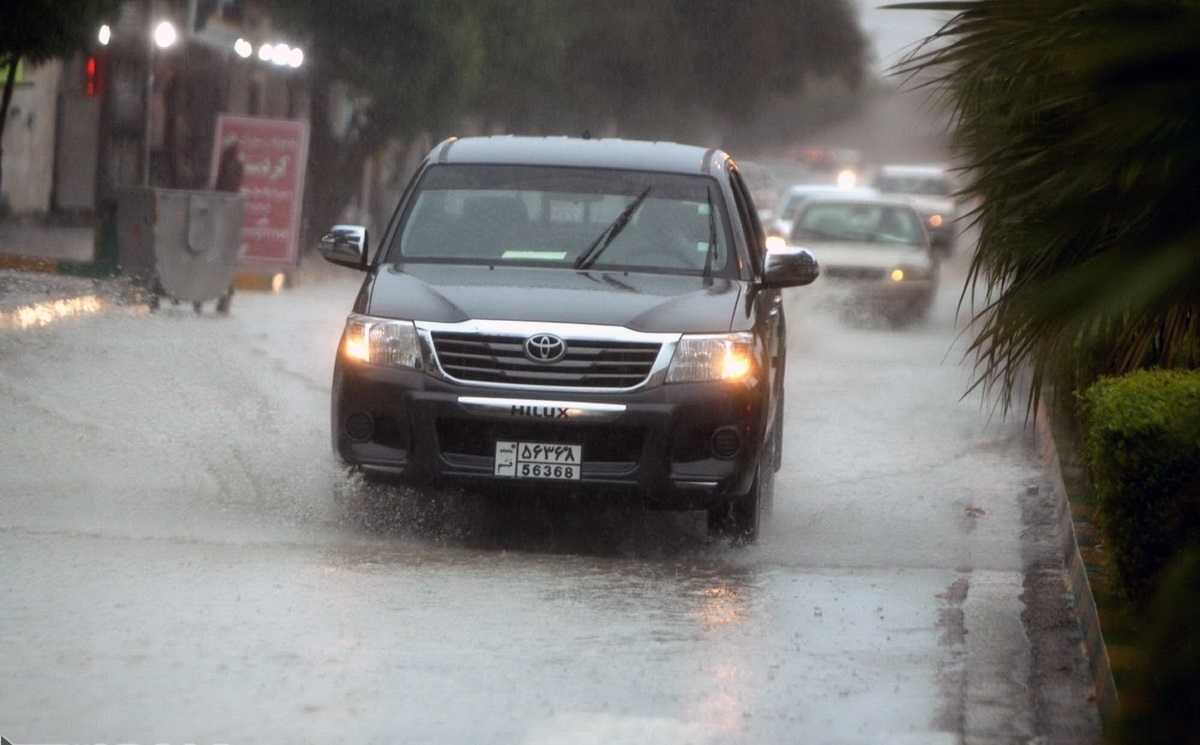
615,153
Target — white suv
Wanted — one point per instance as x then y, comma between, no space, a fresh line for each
931,190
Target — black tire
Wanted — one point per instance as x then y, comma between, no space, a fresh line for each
740,518
767,475
777,446
224,301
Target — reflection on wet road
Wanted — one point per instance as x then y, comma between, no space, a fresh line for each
184,562
44,313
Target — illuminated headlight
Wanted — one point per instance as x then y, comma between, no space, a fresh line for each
716,357
380,342
906,273
935,221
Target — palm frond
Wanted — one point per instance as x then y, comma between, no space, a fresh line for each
1077,124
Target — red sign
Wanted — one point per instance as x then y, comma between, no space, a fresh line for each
264,160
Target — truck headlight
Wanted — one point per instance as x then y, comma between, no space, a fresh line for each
700,357
376,341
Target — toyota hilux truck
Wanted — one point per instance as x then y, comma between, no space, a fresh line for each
576,313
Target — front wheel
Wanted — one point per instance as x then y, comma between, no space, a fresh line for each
777,434
739,519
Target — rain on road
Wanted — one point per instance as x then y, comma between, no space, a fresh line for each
183,562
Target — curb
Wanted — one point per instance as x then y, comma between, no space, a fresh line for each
29,264
1076,579
264,280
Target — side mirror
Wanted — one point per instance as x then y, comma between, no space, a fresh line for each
345,245
790,266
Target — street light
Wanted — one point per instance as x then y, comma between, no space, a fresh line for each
281,54
164,36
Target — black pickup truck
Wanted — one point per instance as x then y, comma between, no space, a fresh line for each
584,313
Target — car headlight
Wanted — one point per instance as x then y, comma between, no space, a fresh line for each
908,273
700,357
936,220
376,341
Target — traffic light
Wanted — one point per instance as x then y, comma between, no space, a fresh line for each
93,79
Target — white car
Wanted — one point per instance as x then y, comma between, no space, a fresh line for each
931,189
789,204
874,247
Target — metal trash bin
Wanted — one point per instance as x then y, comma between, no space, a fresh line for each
180,244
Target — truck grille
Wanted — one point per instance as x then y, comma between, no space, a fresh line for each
485,358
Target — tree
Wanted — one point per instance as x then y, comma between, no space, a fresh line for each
692,69
407,66
650,68
522,88
1076,123
36,31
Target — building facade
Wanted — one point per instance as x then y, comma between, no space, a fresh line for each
135,111
29,138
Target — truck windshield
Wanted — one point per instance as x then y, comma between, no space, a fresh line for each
552,216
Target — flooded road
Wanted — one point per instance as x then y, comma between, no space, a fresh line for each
183,561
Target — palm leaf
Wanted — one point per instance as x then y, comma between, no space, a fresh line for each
1077,124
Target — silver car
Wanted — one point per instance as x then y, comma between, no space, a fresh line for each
931,190
793,199
874,247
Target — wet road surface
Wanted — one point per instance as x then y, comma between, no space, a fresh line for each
183,562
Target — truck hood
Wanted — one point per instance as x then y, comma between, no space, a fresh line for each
653,303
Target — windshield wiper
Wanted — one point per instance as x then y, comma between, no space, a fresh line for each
589,256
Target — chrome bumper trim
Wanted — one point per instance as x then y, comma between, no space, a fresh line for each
527,408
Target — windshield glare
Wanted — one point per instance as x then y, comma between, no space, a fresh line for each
549,216
858,223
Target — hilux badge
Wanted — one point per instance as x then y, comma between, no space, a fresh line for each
545,348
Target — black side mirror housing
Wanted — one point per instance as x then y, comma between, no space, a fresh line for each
346,245
790,266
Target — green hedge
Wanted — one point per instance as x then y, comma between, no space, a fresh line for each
1159,704
1142,445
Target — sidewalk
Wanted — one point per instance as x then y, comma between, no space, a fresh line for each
28,244
33,257
42,262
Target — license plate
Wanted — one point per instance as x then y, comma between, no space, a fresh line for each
538,460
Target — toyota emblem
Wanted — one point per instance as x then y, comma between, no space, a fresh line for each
545,348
